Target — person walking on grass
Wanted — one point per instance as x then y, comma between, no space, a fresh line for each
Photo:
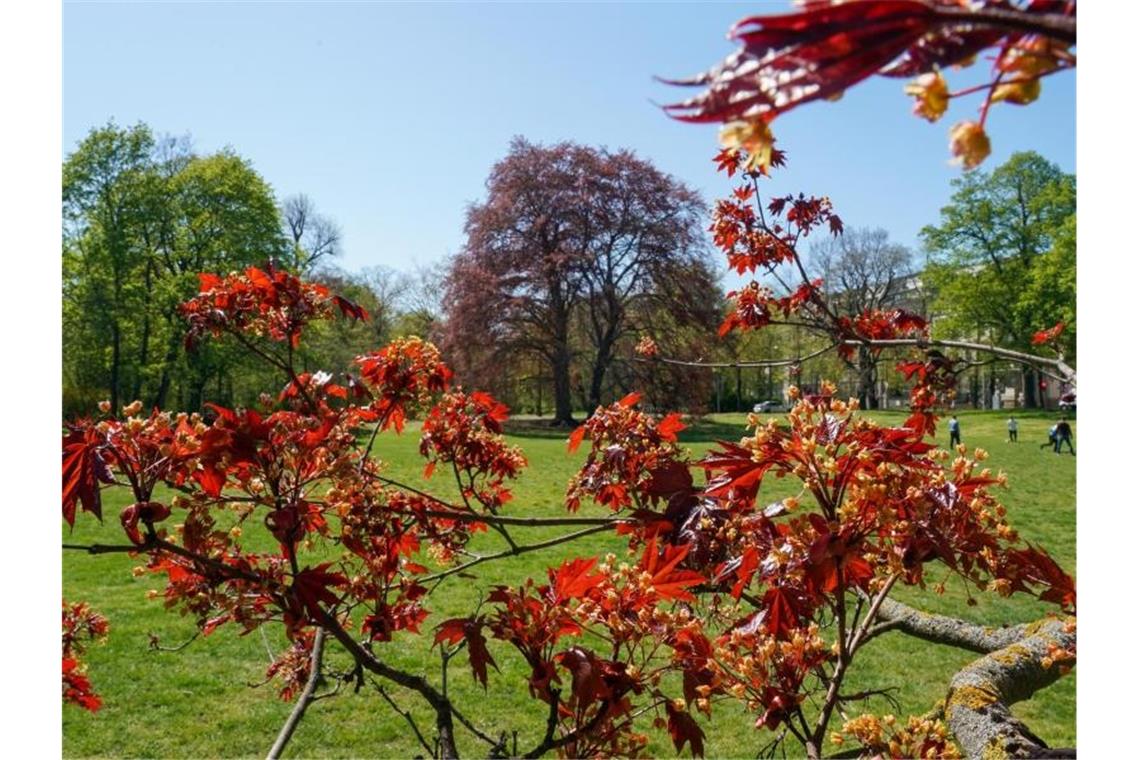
1052,442
1011,426
955,432
1064,436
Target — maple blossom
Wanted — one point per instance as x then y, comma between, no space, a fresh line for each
270,302
81,627
823,49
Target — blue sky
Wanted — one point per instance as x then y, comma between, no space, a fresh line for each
389,116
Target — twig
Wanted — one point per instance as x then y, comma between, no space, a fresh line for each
522,549
408,717
155,646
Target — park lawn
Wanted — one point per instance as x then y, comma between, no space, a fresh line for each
198,702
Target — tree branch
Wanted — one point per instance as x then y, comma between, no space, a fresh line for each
523,549
940,629
303,700
977,706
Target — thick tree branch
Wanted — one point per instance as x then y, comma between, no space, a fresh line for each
368,661
1066,373
977,706
1018,661
940,629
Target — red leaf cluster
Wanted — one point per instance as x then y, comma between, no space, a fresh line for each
634,459
81,626
1051,335
263,303
404,373
465,431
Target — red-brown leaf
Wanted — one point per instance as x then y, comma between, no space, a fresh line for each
684,728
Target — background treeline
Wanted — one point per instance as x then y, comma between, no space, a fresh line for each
574,255
143,216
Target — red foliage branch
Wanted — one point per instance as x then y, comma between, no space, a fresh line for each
739,599
818,52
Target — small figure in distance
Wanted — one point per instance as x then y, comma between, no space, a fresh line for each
1011,426
1065,436
955,432
1052,442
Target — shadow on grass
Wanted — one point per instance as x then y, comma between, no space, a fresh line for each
704,429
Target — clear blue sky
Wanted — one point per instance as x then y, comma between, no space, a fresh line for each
389,116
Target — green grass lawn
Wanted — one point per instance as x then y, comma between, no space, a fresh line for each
199,702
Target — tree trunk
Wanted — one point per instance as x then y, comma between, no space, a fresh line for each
563,401
167,369
1029,387
602,360
867,396
144,341
116,358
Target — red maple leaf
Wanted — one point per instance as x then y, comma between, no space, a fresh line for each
573,579
470,630
1048,336
781,611
666,581
670,426
738,470
350,309
83,470
684,728
630,399
576,438
312,587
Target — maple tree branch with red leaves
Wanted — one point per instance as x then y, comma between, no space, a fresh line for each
823,49
598,634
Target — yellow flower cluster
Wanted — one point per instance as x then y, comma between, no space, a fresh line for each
754,138
969,144
931,96
884,737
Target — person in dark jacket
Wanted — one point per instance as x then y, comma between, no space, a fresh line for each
1064,437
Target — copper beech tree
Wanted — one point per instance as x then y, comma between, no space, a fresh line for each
723,599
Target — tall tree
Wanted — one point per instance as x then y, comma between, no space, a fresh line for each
142,217
863,271
567,231
103,191
989,249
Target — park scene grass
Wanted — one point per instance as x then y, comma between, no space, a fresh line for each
198,701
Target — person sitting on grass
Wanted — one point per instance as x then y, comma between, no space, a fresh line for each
955,432
1011,426
1065,436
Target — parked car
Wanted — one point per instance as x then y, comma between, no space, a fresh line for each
766,407
1068,401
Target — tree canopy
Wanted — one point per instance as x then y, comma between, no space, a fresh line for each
574,250
1003,254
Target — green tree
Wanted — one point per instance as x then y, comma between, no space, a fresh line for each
103,191
142,218
999,261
